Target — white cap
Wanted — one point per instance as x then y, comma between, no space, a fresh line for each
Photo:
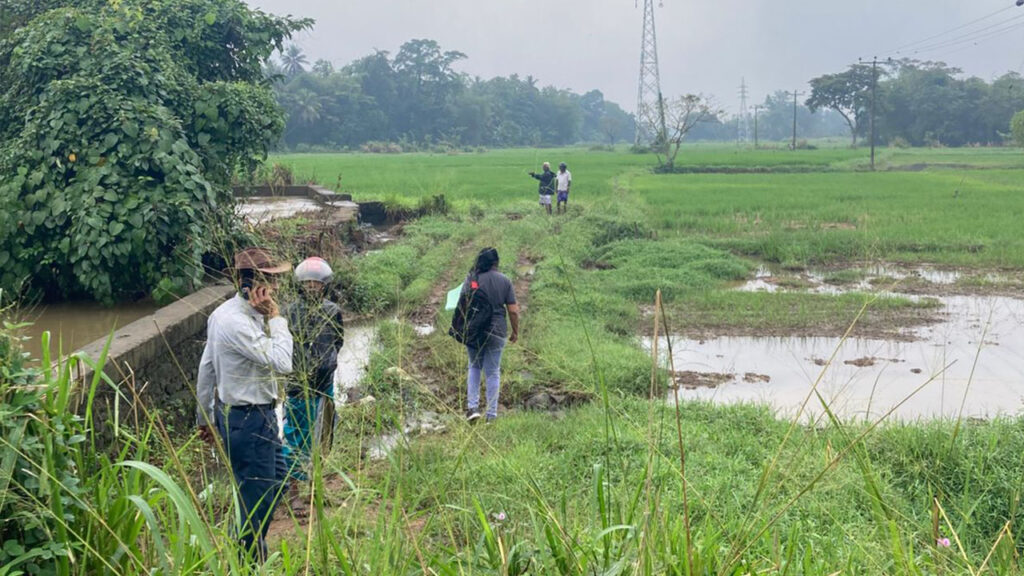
314,269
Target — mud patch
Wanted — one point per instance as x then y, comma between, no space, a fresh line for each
692,380
596,265
554,400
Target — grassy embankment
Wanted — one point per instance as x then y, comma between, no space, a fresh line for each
603,485
600,488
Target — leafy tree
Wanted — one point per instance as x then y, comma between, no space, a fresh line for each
848,93
612,127
1017,128
121,125
323,68
681,115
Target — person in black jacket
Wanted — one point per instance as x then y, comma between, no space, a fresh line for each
547,185
319,332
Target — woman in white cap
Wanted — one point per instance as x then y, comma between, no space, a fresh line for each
318,331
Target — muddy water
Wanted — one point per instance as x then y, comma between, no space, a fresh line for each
353,358
973,360
258,210
72,325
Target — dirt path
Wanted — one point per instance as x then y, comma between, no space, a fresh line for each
427,314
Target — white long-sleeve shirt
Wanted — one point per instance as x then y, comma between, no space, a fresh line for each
240,359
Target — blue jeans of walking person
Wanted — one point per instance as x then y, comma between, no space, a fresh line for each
486,360
250,436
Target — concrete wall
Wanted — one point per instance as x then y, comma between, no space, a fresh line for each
155,358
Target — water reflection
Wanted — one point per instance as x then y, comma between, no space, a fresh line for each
974,358
72,325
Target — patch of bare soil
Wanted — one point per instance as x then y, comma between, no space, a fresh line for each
526,265
752,378
690,380
428,312
553,400
596,265
336,501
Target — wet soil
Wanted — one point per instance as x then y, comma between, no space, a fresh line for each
691,380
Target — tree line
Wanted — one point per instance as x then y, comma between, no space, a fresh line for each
920,103
416,98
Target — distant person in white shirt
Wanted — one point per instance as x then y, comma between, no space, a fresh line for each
248,345
564,178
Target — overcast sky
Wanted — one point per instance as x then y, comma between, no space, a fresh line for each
704,45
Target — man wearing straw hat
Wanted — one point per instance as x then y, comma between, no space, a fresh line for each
247,345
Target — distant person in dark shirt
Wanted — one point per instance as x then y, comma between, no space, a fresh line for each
547,185
487,359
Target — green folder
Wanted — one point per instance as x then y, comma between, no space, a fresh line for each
453,298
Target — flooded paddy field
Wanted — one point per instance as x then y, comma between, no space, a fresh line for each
968,361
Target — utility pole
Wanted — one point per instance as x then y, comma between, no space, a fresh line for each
795,95
756,108
874,90
743,121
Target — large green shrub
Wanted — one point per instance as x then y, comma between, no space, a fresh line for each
121,124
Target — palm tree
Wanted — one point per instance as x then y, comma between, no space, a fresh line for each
307,106
294,60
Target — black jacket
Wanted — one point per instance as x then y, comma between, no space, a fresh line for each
318,331
547,182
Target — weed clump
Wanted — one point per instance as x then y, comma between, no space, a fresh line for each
639,268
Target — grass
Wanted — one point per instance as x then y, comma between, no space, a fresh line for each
622,483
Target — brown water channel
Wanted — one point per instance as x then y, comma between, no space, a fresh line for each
971,364
72,325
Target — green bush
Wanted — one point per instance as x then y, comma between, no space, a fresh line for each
121,126
37,470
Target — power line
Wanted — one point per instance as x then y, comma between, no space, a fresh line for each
897,49
998,28
980,40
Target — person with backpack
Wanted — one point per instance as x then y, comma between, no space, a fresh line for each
546,188
487,298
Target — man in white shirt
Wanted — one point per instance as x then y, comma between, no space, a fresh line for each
564,178
247,344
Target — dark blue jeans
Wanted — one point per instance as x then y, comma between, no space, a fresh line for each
254,450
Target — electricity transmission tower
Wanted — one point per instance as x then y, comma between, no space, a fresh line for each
743,122
650,106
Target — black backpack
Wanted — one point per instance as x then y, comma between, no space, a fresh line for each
473,317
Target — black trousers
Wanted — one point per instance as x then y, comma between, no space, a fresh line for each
250,436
